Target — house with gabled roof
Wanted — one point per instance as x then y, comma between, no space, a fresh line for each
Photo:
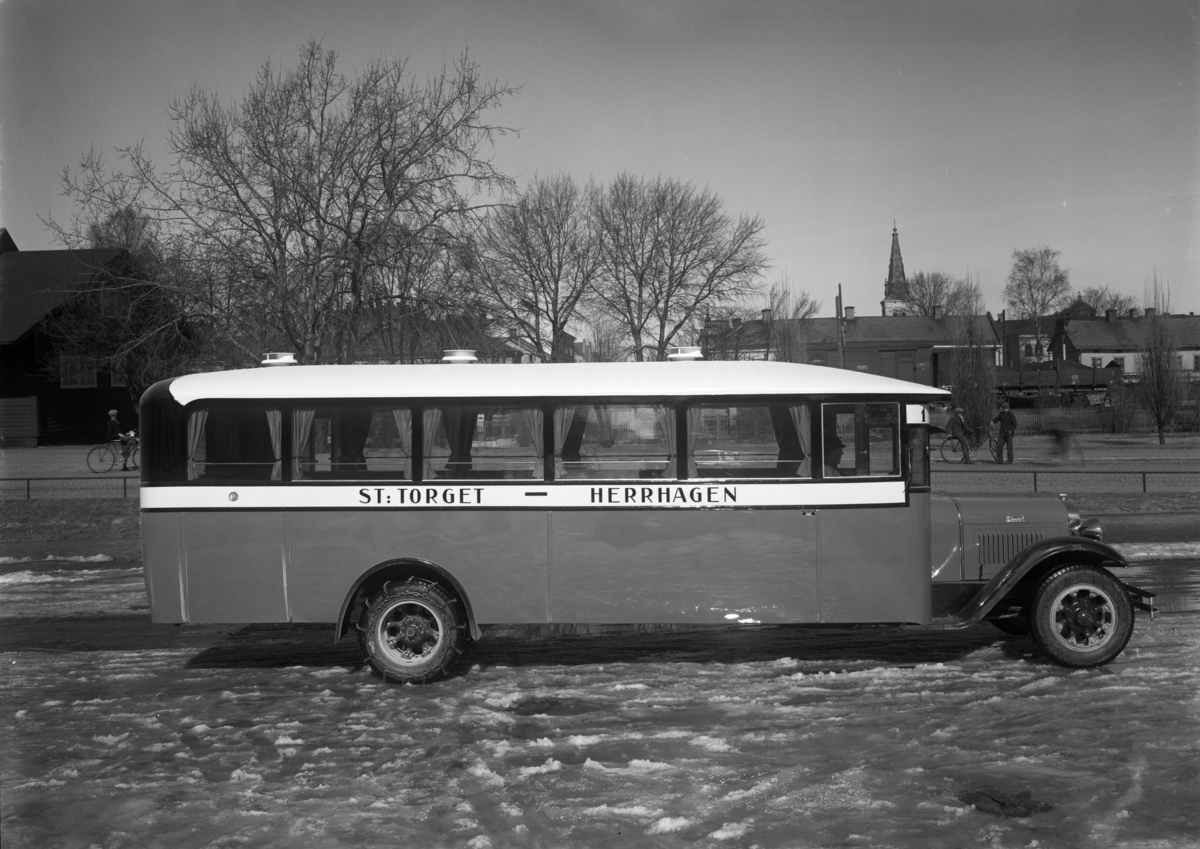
36,406
1115,340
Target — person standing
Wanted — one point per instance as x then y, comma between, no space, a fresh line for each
1008,428
958,429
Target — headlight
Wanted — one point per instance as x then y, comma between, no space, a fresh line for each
1092,530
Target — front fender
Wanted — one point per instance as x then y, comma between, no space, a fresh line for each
1031,562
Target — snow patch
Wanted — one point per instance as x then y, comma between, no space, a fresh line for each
711,744
480,770
1138,552
730,831
551,765
639,811
667,825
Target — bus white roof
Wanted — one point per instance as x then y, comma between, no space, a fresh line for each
545,380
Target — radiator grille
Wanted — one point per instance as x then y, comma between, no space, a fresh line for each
996,549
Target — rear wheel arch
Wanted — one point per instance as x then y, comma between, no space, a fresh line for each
399,570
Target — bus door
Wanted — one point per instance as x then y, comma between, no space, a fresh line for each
873,541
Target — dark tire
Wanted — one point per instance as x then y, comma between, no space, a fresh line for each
412,632
101,459
952,450
993,447
1081,616
1017,626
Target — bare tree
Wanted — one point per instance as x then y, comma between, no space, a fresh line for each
930,289
973,370
786,317
604,340
1161,382
668,253
1037,287
294,201
1102,299
538,260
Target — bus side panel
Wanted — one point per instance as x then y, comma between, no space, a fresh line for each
499,557
235,566
641,566
875,563
162,565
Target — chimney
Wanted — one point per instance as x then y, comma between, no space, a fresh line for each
1110,316
766,314
937,310
848,312
1133,312
1150,312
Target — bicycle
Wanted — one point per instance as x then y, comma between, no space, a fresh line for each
104,457
977,437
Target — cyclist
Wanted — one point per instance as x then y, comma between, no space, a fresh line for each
958,429
115,435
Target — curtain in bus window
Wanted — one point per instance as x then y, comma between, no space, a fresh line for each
195,442
564,417
275,423
302,421
665,418
403,419
432,420
802,421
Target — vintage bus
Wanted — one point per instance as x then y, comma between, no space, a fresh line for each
414,504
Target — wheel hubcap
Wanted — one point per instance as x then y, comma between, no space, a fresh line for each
1083,617
410,632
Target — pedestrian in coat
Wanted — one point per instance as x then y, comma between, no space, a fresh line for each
1008,428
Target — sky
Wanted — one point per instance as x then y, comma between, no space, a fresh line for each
975,128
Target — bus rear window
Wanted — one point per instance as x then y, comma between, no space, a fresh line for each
749,441
351,443
614,441
861,440
471,442
235,443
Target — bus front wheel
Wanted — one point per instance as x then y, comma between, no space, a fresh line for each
411,631
1081,616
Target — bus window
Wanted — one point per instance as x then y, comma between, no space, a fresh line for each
614,441
749,441
483,443
234,443
868,436
351,443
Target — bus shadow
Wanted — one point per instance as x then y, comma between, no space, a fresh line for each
279,646
829,648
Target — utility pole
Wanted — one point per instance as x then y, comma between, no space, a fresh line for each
841,331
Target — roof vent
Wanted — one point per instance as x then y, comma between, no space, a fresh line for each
279,358
459,355
684,353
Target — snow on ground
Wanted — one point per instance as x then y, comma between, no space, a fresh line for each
271,736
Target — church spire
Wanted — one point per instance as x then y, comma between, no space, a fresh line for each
895,287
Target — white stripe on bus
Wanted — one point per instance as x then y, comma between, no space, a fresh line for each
598,494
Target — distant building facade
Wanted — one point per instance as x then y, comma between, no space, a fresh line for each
48,398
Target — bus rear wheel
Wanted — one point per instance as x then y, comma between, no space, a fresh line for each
411,632
1081,616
